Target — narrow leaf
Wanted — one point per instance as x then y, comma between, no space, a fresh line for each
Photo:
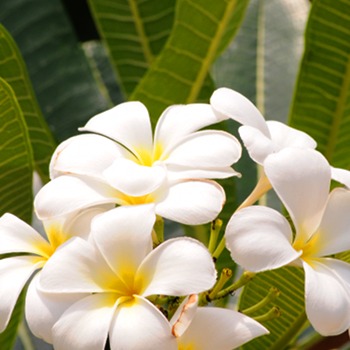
13,70
200,33
290,282
62,79
322,97
134,32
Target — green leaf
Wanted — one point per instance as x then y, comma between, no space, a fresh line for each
13,70
62,79
290,282
201,31
322,97
134,32
16,159
8,337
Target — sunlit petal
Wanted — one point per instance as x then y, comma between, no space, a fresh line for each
85,325
333,232
85,155
327,297
127,123
14,274
192,202
206,149
231,104
17,236
44,309
301,178
259,239
67,194
123,236
90,274
178,172
134,179
220,329
341,175
178,266
140,325
181,120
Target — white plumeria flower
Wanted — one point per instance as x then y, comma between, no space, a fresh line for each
261,138
208,328
260,238
117,270
30,252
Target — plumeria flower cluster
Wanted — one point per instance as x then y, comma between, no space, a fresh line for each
105,276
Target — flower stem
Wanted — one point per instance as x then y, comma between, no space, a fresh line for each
158,237
274,312
214,234
272,295
243,280
225,275
24,336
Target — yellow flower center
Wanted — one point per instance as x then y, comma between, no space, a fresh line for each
147,157
309,247
186,346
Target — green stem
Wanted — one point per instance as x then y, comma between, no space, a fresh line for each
225,275
24,336
274,312
214,234
159,231
272,295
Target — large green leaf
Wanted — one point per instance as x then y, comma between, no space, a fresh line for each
13,70
322,96
201,31
134,32
62,79
16,160
290,282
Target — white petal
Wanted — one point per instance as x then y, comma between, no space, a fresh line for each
327,297
123,236
178,267
177,172
285,136
220,329
301,178
17,236
85,325
67,194
333,232
44,309
85,155
134,179
232,104
258,145
341,175
259,239
14,274
192,202
184,315
76,267
128,123
206,149
181,120
140,325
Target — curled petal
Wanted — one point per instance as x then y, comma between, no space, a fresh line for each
140,325
258,145
67,194
134,179
123,236
259,239
206,149
178,267
284,136
333,233
85,155
18,237
327,297
192,202
301,178
231,104
341,175
222,329
127,123
14,274
85,325
179,121
44,309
